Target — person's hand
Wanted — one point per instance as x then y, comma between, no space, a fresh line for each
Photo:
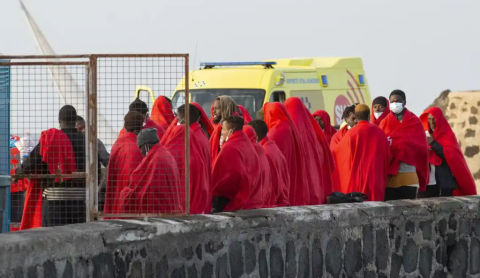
429,139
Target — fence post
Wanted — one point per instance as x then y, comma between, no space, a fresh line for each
187,139
91,141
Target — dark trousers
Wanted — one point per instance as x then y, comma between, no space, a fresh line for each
17,201
64,212
401,193
433,191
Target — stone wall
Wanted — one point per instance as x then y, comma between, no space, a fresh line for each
428,238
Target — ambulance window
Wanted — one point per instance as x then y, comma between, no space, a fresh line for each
277,97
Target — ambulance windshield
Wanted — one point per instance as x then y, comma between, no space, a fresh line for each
251,99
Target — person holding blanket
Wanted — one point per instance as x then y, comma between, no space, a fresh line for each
408,169
449,175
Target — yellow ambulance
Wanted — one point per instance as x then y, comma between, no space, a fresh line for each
329,84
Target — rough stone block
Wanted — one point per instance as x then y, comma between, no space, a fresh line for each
396,266
32,272
475,256
426,228
162,267
192,272
236,259
452,222
103,266
262,264
368,245
410,227
410,256
276,262
304,263
353,257
250,256
137,271
458,259
207,270
317,259
49,270
383,249
199,252
221,269
426,255
465,227
291,268
187,253
334,258
442,227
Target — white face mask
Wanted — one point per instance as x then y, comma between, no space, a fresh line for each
348,126
396,107
226,138
377,114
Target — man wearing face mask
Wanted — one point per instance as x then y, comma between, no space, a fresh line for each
449,172
350,120
155,184
236,169
141,107
408,170
125,157
380,110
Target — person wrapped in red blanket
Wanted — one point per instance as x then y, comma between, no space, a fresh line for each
236,170
408,170
162,113
450,175
362,158
204,121
318,158
58,152
154,186
262,191
141,107
124,159
380,110
278,165
323,120
200,165
349,117
223,106
283,131
245,115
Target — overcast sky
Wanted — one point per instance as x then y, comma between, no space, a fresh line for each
422,47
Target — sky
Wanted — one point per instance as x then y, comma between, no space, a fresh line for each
422,47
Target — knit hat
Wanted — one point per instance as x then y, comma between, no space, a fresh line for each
147,136
380,100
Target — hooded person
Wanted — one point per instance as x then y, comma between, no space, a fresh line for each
283,131
263,188
141,107
162,113
154,186
200,162
380,110
59,201
318,165
204,122
278,165
362,158
449,175
349,118
323,120
408,170
222,107
124,159
236,170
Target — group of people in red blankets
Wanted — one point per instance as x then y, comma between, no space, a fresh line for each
287,157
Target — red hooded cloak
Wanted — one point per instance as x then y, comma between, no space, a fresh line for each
328,130
383,116
162,113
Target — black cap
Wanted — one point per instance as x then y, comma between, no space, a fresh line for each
147,136
67,114
380,100
138,106
399,93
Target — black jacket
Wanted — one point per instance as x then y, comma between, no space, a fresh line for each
443,174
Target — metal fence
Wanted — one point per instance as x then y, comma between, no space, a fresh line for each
102,89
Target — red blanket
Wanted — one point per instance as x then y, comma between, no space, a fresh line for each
235,171
162,113
362,158
338,137
124,159
154,186
317,163
328,130
57,151
444,135
204,121
246,116
282,130
264,186
279,173
200,171
149,124
386,112
408,144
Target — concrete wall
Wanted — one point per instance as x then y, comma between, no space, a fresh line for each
431,238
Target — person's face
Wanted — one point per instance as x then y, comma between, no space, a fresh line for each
217,111
397,99
351,120
378,108
80,127
226,131
431,122
144,149
320,121
180,117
